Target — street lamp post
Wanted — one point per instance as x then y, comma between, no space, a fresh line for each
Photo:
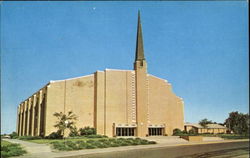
66,124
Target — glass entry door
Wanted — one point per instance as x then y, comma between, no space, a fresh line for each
155,131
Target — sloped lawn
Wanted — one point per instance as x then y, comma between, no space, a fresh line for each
40,140
227,136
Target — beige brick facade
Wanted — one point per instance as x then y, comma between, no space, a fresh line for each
115,102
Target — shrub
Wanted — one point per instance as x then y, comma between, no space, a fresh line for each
144,142
101,143
90,146
29,137
123,139
90,141
184,132
112,139
108,143
151,142
114,145
124,144
135,143
13,135
54,135
87,131
81,144
103,140
118,142
72,145
57,144
129,141
61,146
95,143
68,145
192,131
177,132
73,132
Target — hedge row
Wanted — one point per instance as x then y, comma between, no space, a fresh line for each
29,137
101,143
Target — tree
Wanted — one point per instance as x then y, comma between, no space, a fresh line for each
65,121
238,123
13,135
192,131
177,132
205,122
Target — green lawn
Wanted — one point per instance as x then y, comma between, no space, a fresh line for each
226,136
233,136
4,143
11,149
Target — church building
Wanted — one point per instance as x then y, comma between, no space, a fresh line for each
114,102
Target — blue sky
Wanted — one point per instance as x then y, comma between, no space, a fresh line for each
201,48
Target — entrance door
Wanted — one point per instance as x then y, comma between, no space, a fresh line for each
155,131
125,131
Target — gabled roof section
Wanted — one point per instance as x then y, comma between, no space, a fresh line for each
53,81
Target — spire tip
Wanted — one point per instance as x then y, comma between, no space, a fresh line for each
139,41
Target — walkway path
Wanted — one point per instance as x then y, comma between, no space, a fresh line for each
34,150
166,140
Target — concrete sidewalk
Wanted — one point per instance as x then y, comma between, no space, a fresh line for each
31,147
34,150
206,139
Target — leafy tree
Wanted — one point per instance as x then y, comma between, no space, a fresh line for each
192,131
184,132
205,122
13,135
54,135
65,121
222,124
238,123
177,132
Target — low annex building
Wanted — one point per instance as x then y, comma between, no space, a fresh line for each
115,102
210,128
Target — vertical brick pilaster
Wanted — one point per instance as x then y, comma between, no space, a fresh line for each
28,117
39,112
33,115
